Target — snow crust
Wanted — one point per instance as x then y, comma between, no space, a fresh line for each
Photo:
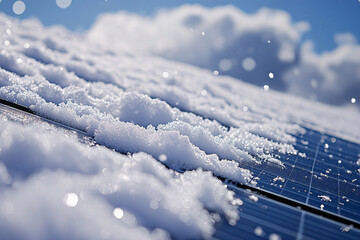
180,124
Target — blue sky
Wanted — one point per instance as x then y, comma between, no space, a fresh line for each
327,17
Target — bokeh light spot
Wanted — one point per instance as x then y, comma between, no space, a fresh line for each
162,157
118,213
249,64
63,3
19,7
71,199
165,74
225,65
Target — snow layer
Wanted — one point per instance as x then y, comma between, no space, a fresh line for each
35,183
183,116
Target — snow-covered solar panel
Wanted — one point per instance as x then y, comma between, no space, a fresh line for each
263,218
325,174
118,143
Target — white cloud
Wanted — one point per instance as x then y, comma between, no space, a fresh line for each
206,37
332,77
224,38
344,38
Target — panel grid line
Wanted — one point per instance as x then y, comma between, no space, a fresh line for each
300,235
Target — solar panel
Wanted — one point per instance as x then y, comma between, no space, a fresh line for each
312,197
327,178
263,218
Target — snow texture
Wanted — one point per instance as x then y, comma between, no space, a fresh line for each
180,124
36,180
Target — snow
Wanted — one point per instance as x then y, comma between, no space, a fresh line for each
54,171
18,7
178,124
324,198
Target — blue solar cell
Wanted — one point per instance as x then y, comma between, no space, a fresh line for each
259,219
330,230
329,171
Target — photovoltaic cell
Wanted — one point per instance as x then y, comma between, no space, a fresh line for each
264,218
326,178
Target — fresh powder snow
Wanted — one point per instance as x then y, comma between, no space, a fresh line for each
178,126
